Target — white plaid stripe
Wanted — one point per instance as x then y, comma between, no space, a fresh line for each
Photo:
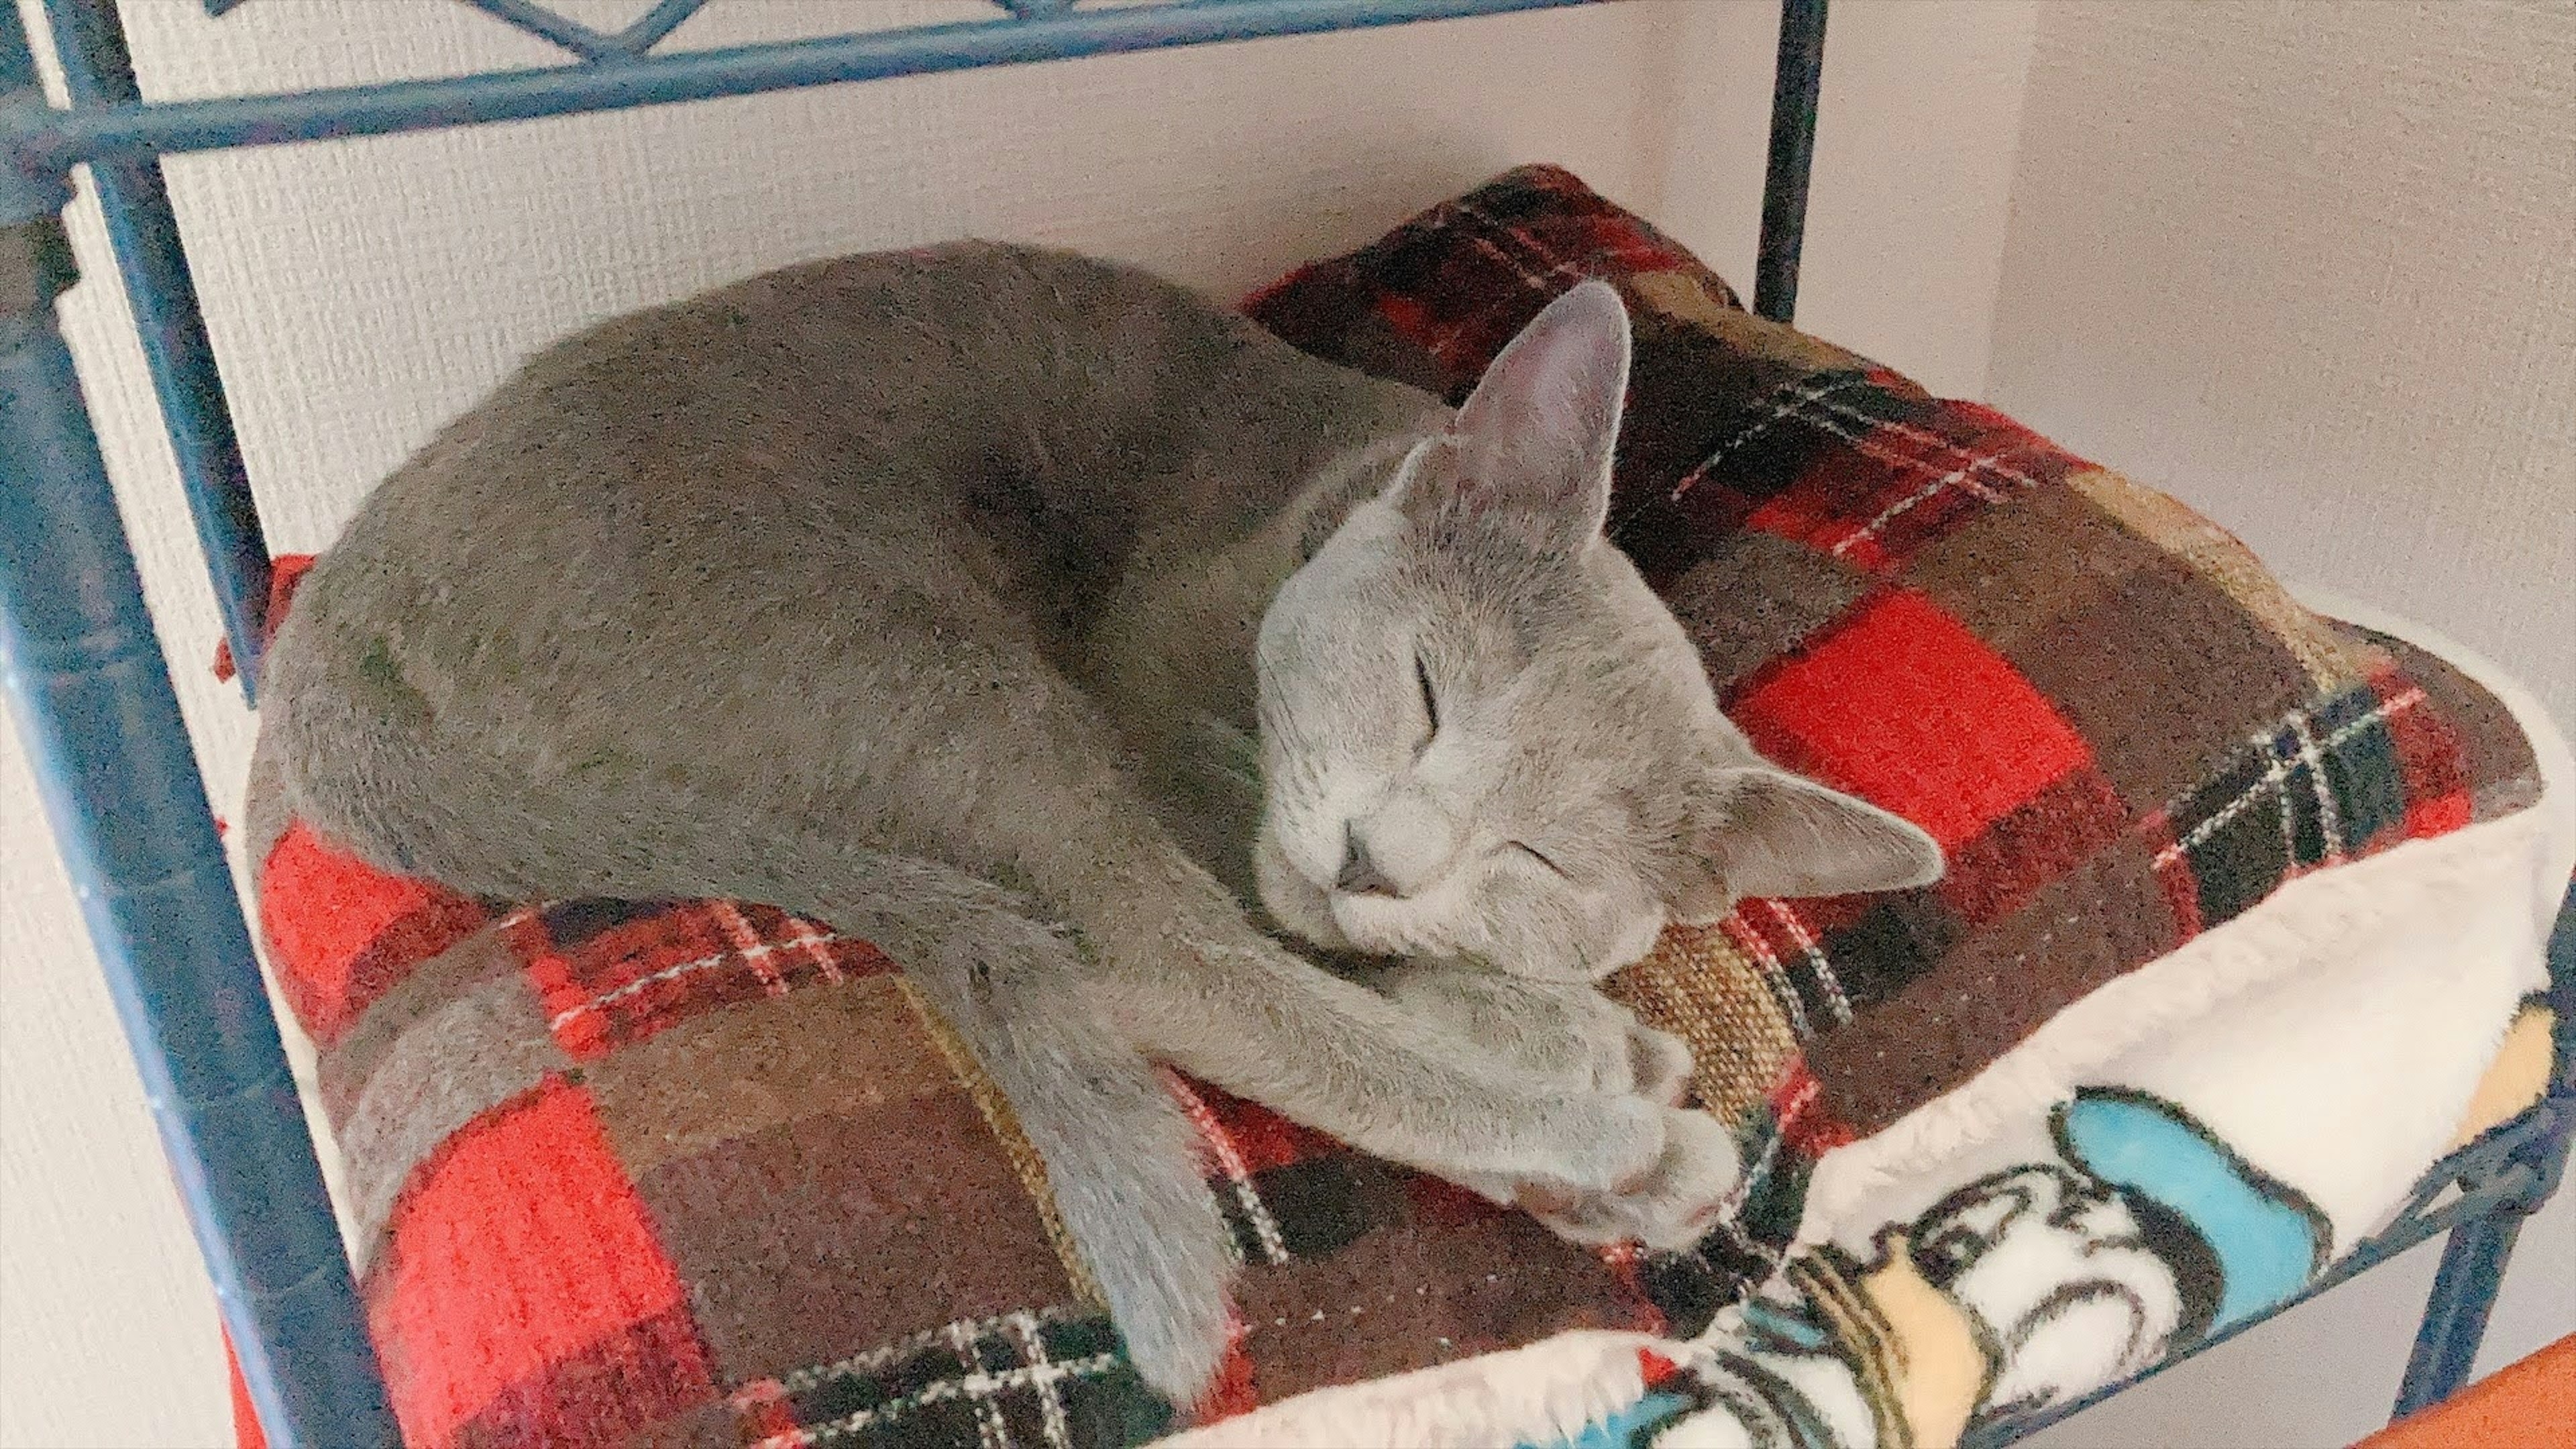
2313,755
1816,962
883,1356
1265,1228
1745,1242
1616,246
1058,1431
753,954
992,1431
816,943
1816,407
2278,773
1875,424
1958,477
1543,272
980,1386
1783,990
1963,476
1537,281
1754,1173
1785,403
2289,799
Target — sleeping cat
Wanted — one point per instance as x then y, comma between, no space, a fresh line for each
1025,615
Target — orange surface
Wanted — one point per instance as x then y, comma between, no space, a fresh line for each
2527,1405
246,1432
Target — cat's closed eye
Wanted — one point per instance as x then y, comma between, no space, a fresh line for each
1430,699
1533,853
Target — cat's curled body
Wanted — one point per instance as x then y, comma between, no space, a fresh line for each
924,593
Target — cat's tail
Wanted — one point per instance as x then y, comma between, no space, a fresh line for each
1122,1161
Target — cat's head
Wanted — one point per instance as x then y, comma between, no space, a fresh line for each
1484,738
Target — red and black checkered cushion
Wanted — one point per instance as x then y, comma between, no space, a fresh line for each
701,1172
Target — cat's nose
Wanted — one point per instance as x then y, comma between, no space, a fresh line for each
1360,875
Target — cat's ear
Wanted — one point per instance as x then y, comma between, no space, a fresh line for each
1766,832
1531,445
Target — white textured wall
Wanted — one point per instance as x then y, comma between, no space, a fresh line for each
360,294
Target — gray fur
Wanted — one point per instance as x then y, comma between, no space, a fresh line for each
950,596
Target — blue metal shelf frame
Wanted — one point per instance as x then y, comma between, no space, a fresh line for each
1797,80
92,697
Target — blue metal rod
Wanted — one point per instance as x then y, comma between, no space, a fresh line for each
1796,82
143,236
121,791
2455,1318
562,30
41,141
656,23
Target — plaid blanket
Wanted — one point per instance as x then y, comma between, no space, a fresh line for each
702,1172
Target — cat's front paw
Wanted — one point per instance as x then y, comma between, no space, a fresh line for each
1659,1063
1546,1036
1574,1039
1672,1205
1615,1052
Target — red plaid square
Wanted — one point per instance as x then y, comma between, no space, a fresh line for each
342,933
635,1380
2428,756
2050,834
488,1284
1904,707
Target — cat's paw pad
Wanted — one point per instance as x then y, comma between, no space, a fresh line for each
1672,1205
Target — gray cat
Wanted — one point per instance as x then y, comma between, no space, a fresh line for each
968,599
